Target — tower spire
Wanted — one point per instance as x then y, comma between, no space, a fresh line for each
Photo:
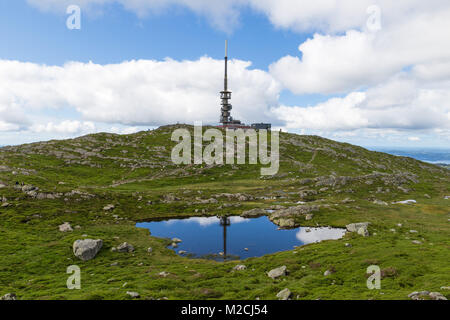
225,95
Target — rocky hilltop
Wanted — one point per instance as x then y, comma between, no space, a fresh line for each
98,186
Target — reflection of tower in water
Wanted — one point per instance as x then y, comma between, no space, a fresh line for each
224,222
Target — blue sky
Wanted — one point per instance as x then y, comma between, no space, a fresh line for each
347,83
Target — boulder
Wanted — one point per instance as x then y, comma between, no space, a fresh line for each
9,296
284,294
133,295
125,247
253,213
285,223
239,267
176,240
65,227
422,295
87,249
360,228
108,207
277,272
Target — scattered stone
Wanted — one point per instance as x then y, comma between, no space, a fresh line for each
405,202
284,294
253,213
413,231
9,296
239,267
277,272
348,245
108,207
416,242
5,205
445,288
125,247
150,250
163,274
422,295
174,245
87,249
114,264
427,196
360,228
309,216
133,295
327,273
399,225
182,252
176,240
380,202
246,249
65,227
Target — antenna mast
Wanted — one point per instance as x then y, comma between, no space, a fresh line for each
225,95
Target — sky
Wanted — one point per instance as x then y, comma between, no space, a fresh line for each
374,73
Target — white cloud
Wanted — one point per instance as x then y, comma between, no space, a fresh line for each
401,103
133,93
65,127
357,59
413,138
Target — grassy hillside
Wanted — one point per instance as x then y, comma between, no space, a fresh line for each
43,185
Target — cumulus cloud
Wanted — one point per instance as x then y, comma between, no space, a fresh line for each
403,103
357,59
133,93
64,127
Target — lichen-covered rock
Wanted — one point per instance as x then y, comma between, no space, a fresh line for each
253,213
284,294
360,228
125,247
239,267
277,272
9,296
87,249
65,227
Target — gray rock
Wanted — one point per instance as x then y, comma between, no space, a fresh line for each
380,202
284,294
437,296
416,242
9,296
360,228
108,207
87,249
65,227
253,213
327,273
125,247
239,267
150,250
363,232
176,240
309,216
277,272
133,295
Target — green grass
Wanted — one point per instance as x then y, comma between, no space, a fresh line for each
34,255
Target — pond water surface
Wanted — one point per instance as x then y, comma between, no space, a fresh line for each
235,237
